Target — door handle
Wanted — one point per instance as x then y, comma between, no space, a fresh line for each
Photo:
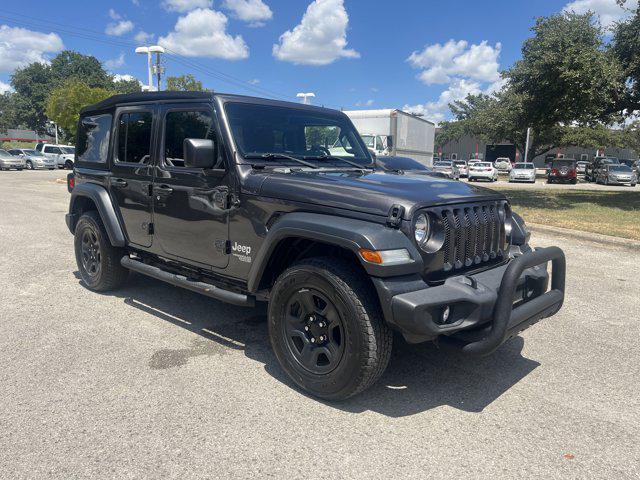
118,183
164,189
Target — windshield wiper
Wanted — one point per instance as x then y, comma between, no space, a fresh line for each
274,156
331,157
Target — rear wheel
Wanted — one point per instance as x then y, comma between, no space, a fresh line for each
68,165
29,165
98,261
326,328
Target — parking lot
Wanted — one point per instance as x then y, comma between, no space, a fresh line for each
155,381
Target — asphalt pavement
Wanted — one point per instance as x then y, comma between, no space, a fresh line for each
157,382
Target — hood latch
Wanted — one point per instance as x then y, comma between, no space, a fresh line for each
395,216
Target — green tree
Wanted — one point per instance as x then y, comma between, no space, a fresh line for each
7,112
566,74
32,85
65,102
126,86
184,83
625,46
69,64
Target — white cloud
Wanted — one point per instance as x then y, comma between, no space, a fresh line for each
143,37
113,15
439,63
202,33
438,110
183,6
114,63
368,103
20,47
256,12
608,10
4,88
117,29
320,38
254,81
126,77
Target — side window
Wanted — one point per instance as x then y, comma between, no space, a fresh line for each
134,137
379,145
93,138
181,125
54,150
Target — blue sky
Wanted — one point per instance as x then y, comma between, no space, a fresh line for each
417,54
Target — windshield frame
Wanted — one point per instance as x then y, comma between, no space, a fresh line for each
334,118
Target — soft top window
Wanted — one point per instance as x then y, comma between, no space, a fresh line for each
94,132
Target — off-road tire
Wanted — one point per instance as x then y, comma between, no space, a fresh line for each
111,274
368,339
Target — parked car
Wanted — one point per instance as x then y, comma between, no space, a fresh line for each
483,171
563,170
345,256
63,154
614,174
523,172
33,159
447,167
581,167
406,165
503,164
8,161
598,162
462,167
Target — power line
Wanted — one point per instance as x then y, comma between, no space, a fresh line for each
104,39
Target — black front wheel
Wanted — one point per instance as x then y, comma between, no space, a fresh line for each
326,328
98,261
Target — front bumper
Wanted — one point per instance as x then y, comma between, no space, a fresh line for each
485,309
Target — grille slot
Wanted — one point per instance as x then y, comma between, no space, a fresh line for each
473,234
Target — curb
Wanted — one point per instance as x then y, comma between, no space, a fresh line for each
585,236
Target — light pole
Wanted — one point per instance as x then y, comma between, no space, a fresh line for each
157,68
305,97
55,128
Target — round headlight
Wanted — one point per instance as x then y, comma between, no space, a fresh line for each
421,229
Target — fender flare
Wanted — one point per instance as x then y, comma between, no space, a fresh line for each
346,233
100,197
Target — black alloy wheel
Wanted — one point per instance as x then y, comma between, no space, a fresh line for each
314,331
91,257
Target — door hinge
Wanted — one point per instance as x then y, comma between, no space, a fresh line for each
150,229
223,246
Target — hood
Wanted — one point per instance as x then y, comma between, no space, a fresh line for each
370,192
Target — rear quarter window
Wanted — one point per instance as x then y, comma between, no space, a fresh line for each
94,132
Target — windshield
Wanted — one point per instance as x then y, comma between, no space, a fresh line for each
33,153
460,163
619,168
400,163
5,153
563,163
296,132
368,140
482,164
442,164
609,161
524,166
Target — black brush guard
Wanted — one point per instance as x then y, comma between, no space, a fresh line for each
509,321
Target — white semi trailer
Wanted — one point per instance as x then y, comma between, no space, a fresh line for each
396,133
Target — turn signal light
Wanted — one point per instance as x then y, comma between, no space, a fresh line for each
386,257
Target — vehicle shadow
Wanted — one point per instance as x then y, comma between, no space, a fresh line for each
419,377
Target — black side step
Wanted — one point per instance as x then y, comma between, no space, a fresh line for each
182,281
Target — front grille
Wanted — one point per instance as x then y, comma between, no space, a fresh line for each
471,235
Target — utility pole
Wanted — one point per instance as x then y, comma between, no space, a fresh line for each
151,68
526,148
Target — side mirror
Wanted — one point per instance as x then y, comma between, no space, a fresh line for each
199,153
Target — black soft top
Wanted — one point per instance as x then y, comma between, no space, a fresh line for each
142,97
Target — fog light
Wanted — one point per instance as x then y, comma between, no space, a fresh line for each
445,314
